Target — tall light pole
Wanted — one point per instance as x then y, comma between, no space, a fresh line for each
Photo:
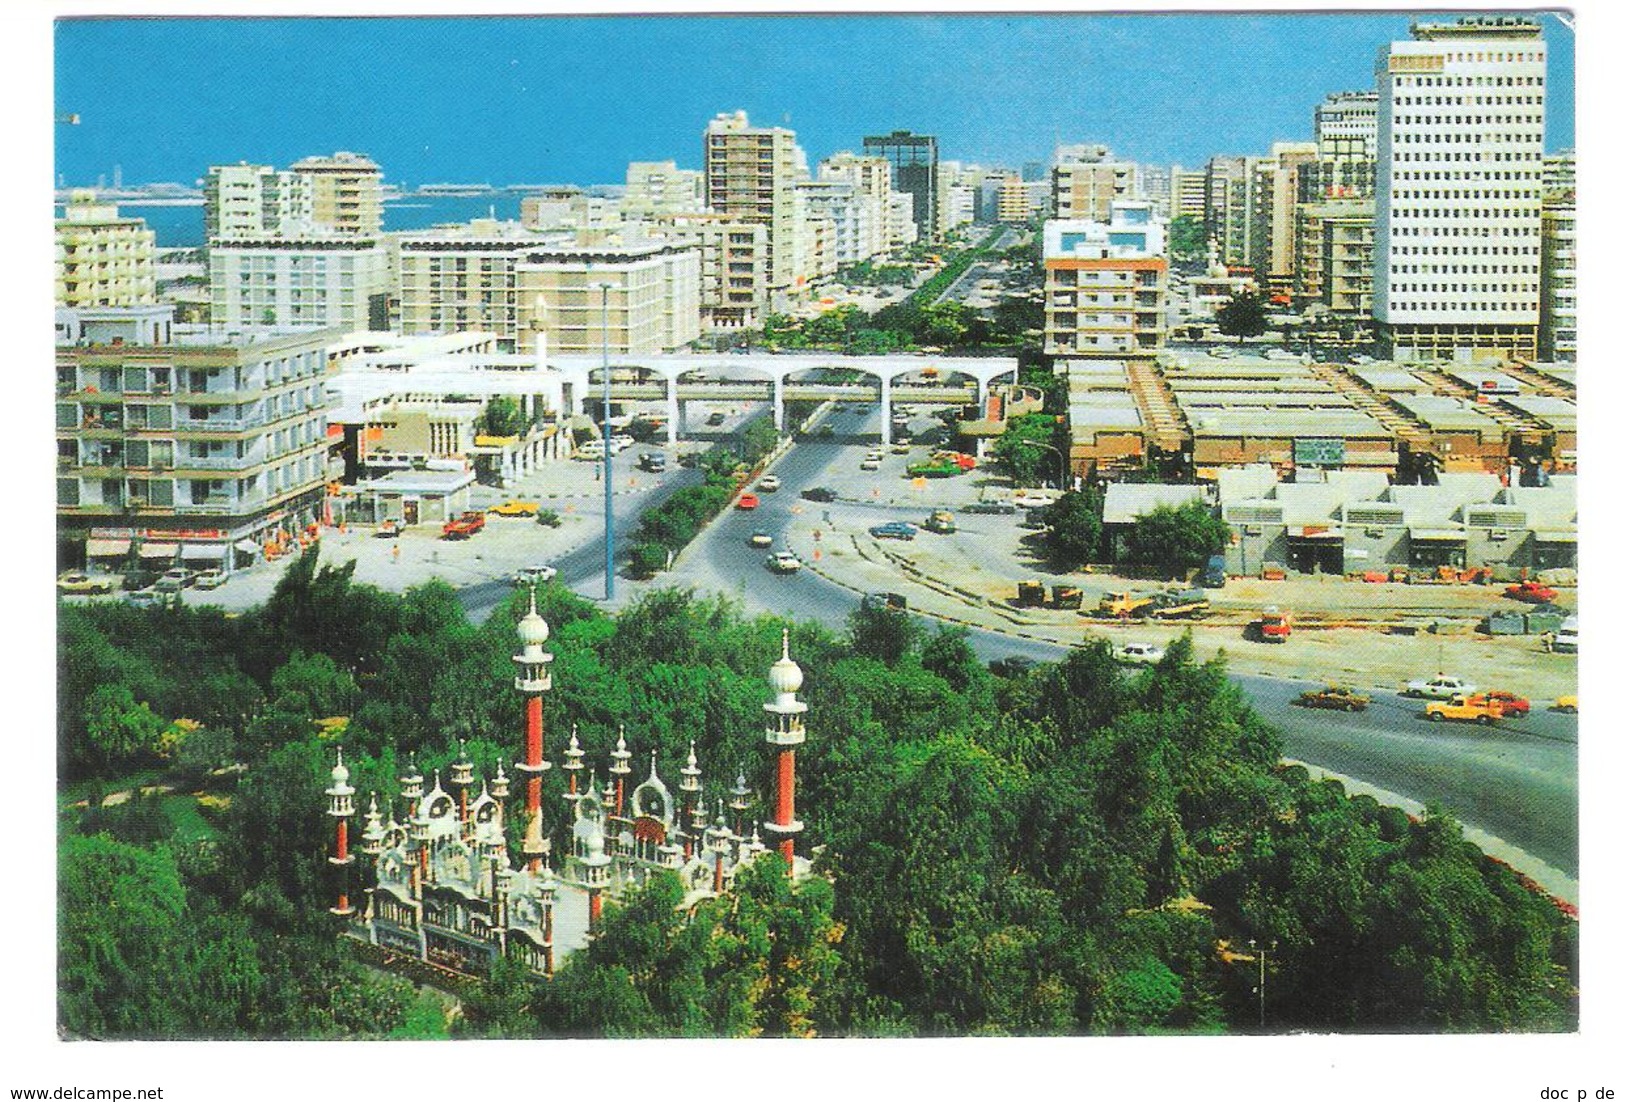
609,459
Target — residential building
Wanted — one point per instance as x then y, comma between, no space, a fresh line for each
1334,255
102,259
649,295
750,175
871,180
202,449
660,187
570,208
257,201
1156,183
463,277
1461,129
1106,284
857,219
900,228
958,207
1085,189
733,263
345,194
1558,173
1559,315
1187,193
913,159
321,282
1278,196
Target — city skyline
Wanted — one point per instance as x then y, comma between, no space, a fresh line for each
993,90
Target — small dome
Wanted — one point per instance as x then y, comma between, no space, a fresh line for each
340,774
533,630
785,676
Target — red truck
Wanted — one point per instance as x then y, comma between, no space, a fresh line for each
1532,592
1272,626
460,528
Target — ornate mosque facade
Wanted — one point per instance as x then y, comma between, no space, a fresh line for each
441,887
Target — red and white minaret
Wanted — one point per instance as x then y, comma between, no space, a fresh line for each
533,678
341,805
786,729
573,766
690,787
620,767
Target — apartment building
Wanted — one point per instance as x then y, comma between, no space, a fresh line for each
1461,129
1557,175
858,219
913,159
256,201
101,258
1187,193
345,194
1084,190
1559,315
1106,284
660,187
750,175
317,282
458,278
196,450
733,264
642,298
1334,256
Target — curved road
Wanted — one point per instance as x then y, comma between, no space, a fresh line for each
1516,782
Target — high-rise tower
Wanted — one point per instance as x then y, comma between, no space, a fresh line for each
1461,130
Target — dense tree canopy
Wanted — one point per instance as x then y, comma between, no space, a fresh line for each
1243,315
1073,849
1175,539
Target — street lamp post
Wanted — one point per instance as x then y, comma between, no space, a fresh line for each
609,453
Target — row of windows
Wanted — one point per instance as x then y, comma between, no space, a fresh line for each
1459,212
1495,55
1457,288
1466,250
1435,156
1410,118
1470,82
1468,101
1466,193
1476,307
1461,269
1465,231
1430,138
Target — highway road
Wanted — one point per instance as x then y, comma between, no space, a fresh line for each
1516,782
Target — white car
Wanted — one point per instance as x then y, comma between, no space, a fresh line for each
783,562
621,442
1440,688
592,449
530,575
871,462
210,579
768,483
1141,653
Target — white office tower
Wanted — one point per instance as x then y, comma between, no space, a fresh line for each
1460,151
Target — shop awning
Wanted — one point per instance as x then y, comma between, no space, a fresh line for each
159,550
1439,535
214,552
247,547
1548,535
107,549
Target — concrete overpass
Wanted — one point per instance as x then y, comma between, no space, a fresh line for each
581,372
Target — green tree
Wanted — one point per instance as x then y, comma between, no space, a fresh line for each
1028,448
883,633
1243,315
1187,239
1073,526
119,730
502,417
1175,539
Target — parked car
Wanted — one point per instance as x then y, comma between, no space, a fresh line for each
84,583
759,538
591,450
894,530
173,581
1511,704
1440,687
653,462
1533,592
1569,704
942,522
516,508
871,462
1465,709
819,493
768,483
530,575
900,445
389,529
783,562
1568,637
209,579
1139,653
1333,697
144,598
991,508
747,501
460,528
619,442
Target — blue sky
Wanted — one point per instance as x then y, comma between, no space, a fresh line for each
572,99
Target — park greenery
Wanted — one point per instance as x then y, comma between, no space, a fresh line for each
1187,238
1032,448
1071,849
